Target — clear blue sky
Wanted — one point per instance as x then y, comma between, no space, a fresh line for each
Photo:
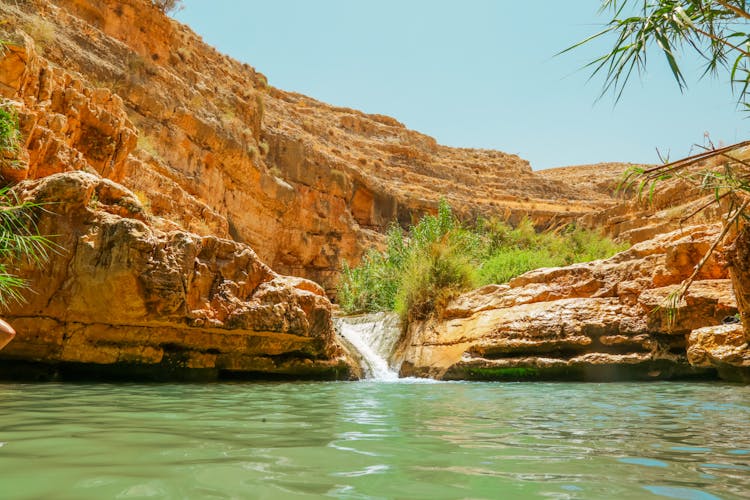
473,73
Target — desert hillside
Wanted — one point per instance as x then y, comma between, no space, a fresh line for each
118,88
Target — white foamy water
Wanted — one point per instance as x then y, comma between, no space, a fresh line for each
375,337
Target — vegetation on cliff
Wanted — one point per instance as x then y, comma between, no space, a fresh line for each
8,131
168,5
439,258
19,238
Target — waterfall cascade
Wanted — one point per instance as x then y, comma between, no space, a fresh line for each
375,337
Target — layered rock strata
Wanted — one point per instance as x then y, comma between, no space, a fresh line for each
120,298
723,348
603,320
118,87
182,140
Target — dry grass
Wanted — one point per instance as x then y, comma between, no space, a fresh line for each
42,31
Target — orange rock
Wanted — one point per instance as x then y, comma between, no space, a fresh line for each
601,320
127,299
127,92
204,161
722,347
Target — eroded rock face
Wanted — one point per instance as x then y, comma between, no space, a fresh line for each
738,256
66,123
117,87
119,297
203,145
722,347
602,320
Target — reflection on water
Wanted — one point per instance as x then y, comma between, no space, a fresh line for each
375,440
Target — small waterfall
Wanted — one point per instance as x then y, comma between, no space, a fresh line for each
375,337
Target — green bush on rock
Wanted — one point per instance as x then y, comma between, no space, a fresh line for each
9,135
419,272
19,238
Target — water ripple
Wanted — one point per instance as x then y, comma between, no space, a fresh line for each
375,440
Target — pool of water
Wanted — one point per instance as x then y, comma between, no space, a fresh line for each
375,440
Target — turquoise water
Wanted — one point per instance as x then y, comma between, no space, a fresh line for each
375,440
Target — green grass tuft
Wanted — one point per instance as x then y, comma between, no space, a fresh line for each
419,272
9,134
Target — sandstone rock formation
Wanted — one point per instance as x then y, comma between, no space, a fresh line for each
118,87
119,298
193,163
722,347
602,320
603,178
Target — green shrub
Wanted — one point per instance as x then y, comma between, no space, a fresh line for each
41,31
420,272
168,5
373,285
508,263
9,134
19,238
431,278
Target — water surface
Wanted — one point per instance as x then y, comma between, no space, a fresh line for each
375,440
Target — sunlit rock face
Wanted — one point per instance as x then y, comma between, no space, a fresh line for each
602,320
118,88
200,172
722,347
120,298
194,168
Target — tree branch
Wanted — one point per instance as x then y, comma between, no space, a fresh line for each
722,41
735,10
686,285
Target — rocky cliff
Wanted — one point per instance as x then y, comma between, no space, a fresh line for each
173,172
180,183
121,299
604,320
210,147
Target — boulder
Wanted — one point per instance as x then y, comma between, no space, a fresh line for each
118,297
722,347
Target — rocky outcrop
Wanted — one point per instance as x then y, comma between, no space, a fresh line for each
602,320
118,297
220,152
723,348
738,257
604,178
648,209
66,124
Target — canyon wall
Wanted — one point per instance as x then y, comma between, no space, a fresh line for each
211,148
118,298
181,183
